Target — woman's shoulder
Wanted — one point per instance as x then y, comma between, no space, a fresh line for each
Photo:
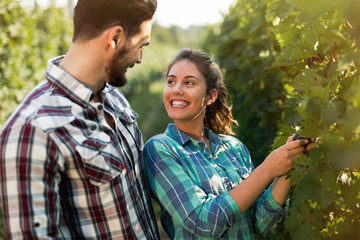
161,147
162,137
233,143
160,141
229,139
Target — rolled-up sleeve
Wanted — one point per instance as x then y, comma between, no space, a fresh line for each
267,211
204,215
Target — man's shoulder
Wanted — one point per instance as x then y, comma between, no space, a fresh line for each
41,108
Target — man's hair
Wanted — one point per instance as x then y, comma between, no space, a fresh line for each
93,17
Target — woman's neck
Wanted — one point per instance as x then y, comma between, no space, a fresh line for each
194,130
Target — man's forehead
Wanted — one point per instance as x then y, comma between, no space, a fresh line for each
144,35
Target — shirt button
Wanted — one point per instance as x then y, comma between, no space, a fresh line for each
100,107
244,175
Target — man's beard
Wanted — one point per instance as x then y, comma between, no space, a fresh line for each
115,69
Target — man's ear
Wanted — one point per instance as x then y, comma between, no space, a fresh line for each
212,97
115,37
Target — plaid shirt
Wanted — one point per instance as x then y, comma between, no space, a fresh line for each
192,186
65,173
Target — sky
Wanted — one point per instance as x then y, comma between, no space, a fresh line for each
182,13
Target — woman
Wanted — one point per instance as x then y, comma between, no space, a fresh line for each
204,179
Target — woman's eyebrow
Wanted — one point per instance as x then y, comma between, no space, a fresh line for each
192,76
186,77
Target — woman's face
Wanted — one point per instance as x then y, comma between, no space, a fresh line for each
185,96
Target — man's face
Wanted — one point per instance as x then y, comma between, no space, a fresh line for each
127,56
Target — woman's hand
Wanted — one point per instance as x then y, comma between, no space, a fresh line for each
277,164
280,161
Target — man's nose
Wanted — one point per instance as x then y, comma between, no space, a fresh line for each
139,58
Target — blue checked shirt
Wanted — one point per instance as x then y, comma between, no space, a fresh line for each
192,186
65,174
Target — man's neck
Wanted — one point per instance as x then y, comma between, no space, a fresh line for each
85,62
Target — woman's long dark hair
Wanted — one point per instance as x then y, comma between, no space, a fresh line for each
218,115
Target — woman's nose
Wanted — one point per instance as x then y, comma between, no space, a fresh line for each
178,90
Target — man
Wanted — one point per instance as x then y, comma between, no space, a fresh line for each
70,154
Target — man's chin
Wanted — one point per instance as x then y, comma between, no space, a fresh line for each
118,82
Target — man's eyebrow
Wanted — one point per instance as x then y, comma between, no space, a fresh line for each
145,41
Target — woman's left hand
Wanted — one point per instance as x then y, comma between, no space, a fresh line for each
280,161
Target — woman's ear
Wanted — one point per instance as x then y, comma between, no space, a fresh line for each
212,97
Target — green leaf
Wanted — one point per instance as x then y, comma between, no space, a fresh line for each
311,10
286,32
305,81
321,93
277,9
309,38
303,160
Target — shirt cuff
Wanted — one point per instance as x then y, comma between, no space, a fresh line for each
230,206
274,205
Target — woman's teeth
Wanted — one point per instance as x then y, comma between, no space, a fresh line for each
179,104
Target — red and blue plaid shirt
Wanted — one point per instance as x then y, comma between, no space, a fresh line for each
65,173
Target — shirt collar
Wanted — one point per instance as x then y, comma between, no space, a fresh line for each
182,138
82,93
119,104
72,87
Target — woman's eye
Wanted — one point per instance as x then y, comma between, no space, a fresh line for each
170,81
190,83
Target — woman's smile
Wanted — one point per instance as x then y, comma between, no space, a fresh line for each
179,103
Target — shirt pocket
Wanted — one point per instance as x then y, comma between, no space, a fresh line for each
97,155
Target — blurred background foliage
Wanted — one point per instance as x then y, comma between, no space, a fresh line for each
245,47
290,66
293,66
